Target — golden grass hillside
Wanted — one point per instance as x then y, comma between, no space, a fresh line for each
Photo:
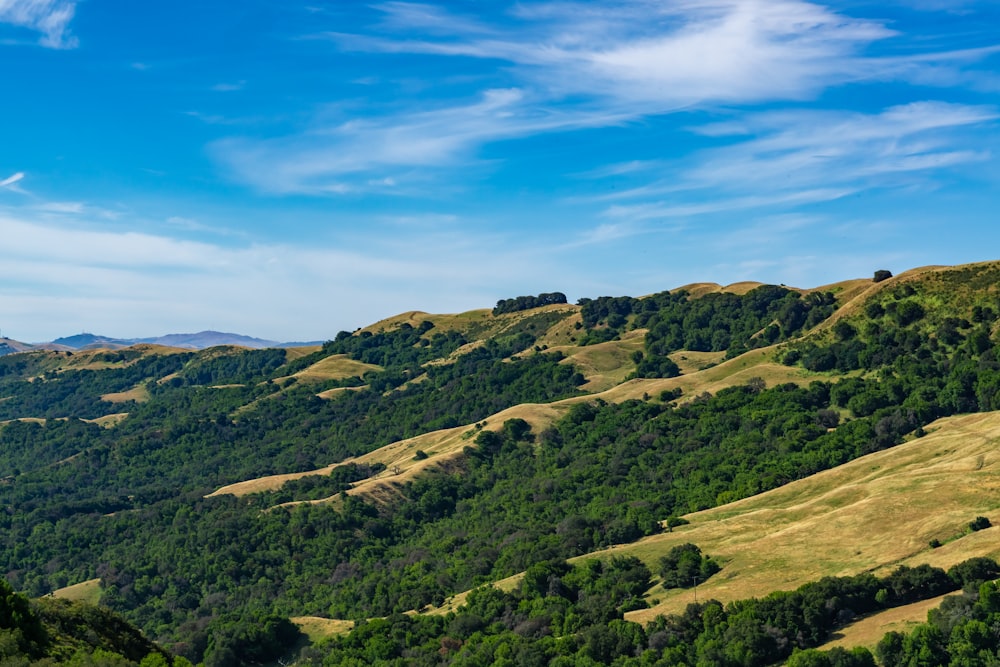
443,446
869,515
870,629
604,365
86,591
334,367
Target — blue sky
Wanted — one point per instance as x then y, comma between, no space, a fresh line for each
289,170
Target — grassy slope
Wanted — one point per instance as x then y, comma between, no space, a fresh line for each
86,591
442,446
870,630
868,515
334,367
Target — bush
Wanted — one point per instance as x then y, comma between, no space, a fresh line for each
979,523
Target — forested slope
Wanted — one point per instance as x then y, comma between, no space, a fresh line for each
216,578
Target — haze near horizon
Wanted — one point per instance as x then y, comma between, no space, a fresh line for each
288,170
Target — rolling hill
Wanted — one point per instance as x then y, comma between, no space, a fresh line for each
800,433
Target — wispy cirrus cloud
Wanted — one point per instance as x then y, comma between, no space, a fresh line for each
11,182
575,65
345,157
658,54
790,158
49,17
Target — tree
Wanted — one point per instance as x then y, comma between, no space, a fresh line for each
880,275
684,566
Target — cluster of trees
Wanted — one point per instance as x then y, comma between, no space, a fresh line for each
685,566
573,615
31,391
715,322
214,577
185,567
528,302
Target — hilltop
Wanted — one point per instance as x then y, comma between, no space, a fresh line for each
214,494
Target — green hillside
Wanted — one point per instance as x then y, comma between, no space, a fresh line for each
216,494
58,631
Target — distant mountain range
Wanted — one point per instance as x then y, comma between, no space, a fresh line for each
191,341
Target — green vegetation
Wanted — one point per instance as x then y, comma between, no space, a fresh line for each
715,322
685,566
217,578
572,615
528,302
51,632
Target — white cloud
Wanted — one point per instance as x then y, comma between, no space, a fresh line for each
574,65
662,54
11,183
12,179
61,207
49,17
791,158
808,148
64,278
327,159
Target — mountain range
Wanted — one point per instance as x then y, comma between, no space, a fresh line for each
191,341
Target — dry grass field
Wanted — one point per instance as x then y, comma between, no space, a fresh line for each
604,365
334,367
755,363
869,630
701,289
86,591
139,394
869,515
317,628
107,421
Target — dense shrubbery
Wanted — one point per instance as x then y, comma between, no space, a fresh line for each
685,566
720,322
528,302
563,615
50,632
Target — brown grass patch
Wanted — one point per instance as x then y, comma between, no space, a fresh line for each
269,483
690,361
442,448
330,394
293,353
604,365
869,515
563,332
107,421
335,367
318,629
870,629
139,394
696,290
34,420
86,591
755,363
